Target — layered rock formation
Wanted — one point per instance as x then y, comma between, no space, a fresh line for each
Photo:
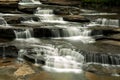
61,2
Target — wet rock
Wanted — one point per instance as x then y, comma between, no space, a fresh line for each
102,70
41,76
24,70
7,34
66,11
61,2
7,5
92,76
8,51
100,33
12,19
76,18
29,10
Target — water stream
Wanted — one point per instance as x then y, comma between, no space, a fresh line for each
64,47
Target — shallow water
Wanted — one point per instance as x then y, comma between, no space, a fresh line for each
79,43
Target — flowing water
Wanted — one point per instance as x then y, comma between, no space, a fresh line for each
3,23
66,49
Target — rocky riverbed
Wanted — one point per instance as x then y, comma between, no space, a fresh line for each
58,24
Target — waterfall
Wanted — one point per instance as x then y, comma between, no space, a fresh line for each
3,23
105,22
62,59
23,33
40,11
104,59
30,1
47,15
4,51
66,32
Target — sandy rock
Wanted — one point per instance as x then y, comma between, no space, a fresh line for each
67,11
24,70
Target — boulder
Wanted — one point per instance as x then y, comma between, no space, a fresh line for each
76,18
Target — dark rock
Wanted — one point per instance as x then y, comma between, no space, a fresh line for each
25,18
28,10
12,19
75,18
8,5
62,2
66,11
42,32
7,34
8,51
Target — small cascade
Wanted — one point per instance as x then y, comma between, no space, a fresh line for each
23,33
30,1
46,15
64,32
20,55
40,11
56,59
4,51
3,23
64,60
104,59
106,22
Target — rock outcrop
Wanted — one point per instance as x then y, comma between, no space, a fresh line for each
76,18
7,34
8,51
67,11
61,2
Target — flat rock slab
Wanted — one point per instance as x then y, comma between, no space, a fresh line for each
76,18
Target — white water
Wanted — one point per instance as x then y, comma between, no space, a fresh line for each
46,15
59,60
23,34
3,23
105,22
75,34
25,2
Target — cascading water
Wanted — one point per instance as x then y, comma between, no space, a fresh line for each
23,34
102,58
40,11
46,15
29,2
3,23
64,60
74,33
24,37
106,22
60,60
